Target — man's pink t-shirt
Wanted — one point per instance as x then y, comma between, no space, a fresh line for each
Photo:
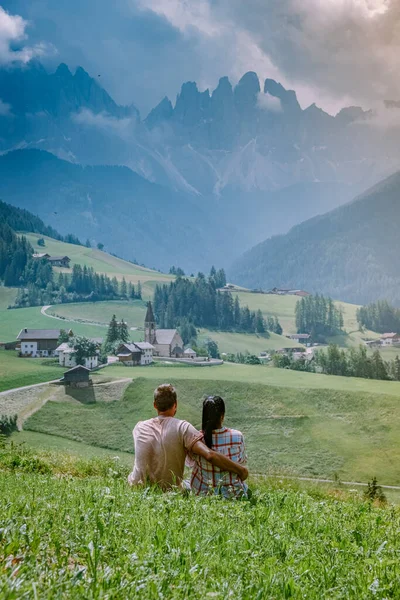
161,445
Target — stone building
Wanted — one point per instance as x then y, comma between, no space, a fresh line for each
166,342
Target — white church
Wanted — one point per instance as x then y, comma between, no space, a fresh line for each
166,342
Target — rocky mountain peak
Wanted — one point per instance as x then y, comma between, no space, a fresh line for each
288,98
162,112
63,71
246,91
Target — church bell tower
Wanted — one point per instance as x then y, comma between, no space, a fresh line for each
150,326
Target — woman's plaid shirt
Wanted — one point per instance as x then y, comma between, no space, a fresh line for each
209,479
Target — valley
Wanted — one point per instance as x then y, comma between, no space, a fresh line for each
200,219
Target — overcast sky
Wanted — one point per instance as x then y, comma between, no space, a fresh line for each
332,52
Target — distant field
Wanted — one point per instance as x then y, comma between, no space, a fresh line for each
12,321
246,342
256,374
283,307
7,297
18,372
317,433
102,263
132,312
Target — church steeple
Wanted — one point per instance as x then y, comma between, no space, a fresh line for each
150,325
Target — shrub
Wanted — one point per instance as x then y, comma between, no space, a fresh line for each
8,424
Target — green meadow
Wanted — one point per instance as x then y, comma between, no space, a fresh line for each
17,372
71,528
101,263
309,432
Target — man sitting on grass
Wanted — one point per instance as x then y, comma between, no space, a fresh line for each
161,445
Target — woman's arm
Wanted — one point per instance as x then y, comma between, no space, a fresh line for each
219,460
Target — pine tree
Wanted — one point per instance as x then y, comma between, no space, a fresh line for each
88,244
139,291
113,331
123,332
259,322
379,370
123,288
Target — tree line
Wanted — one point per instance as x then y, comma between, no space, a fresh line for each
82,285
19,219
354,362
199,303
318,316
17,267
379,316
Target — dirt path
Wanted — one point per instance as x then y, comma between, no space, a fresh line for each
317,480
70,319
27,387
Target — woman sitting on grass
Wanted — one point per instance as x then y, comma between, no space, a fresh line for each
207,478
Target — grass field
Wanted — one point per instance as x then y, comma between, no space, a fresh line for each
305,432
283,307
246,342
256,374
7,297
92,537
17,372
133,312
43,443
101,263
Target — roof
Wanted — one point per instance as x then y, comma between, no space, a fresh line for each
144,345
132,348
38,334
165,336
59,258
64,347
149,314
387,336
77,368
41,255
189,351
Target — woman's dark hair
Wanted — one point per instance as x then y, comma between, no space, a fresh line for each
213,410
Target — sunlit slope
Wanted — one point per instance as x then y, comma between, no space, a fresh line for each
101,262
307,432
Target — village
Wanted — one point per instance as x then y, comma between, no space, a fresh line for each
164,344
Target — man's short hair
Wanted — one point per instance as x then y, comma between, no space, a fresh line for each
165,397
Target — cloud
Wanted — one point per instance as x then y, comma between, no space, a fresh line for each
335,51
5,109
104,121
332,52
12,37
269,103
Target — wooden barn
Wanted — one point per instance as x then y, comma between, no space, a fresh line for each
77,377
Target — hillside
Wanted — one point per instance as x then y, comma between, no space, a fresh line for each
315,433
114,540
113,205
350,253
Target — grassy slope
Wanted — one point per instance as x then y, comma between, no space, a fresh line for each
94,538
132,312
18,372
256,374
306,432
101,262
246,342
44,442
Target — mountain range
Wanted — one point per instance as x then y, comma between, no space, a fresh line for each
198,180
134,218
350,253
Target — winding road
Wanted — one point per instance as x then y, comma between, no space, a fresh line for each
70,319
